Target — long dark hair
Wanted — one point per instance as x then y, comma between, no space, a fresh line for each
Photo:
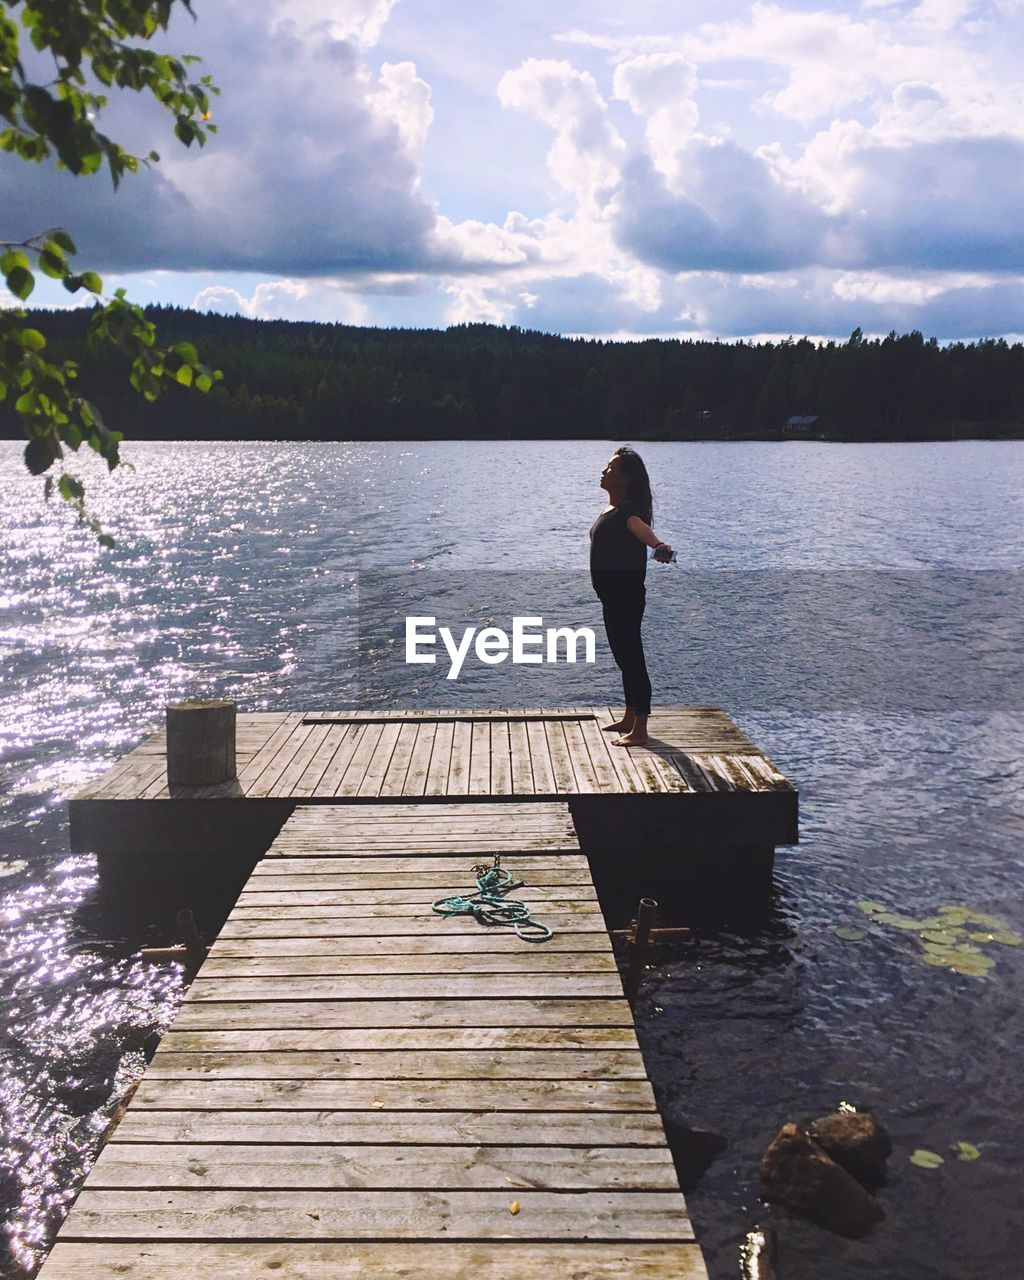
639,491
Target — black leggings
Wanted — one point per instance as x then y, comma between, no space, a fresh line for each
622,617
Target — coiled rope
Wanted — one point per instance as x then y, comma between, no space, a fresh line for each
490,905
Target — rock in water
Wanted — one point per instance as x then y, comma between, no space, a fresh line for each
693,1151
858,1142
798,1174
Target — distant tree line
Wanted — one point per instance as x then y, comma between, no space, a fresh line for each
285,380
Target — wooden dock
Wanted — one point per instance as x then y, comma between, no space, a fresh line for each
358,1087
700,782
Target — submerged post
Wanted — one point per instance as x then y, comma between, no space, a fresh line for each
200,743
640,943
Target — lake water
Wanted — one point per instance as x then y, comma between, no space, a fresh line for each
856,608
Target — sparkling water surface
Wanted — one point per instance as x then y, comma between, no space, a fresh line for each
237,574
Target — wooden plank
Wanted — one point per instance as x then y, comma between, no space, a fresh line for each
594,742
310,781
629,780
395,904
436,781
381,876
476,943
249,775
459,764
401,913
267,784
206,1094
339,762
392,1167
540,759
419,760
400,1064
275,1014
506,962
480,759
485,1040
359,761
411,986
292,925
486,1127
519,753
561,764
372,1215
501,759
347,1260
288,779
380,762
587,779
414,897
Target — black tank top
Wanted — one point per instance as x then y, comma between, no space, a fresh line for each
618,560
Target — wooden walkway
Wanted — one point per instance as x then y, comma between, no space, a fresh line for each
357,1087
532,752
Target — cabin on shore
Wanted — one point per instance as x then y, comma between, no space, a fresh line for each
803,422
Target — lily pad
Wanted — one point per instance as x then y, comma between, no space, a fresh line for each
986,921
872,908
898,921
1007,938
955,915
970,968
925,1159
942,937
849,933
966,1151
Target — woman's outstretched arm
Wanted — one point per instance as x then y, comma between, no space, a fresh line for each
640,529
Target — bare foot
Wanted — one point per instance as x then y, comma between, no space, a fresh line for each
632,739
618,726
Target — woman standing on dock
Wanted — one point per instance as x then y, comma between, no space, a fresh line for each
619,539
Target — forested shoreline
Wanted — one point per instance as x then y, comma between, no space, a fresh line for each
287,380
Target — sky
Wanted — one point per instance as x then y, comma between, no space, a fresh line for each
727,170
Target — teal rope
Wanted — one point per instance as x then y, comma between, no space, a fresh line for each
491,906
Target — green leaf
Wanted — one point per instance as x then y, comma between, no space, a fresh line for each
41,453
21,282
11,259
92,282
184,375
30,339
202,383
925,1159
53,264
849,933
62,239
872,908
966,1151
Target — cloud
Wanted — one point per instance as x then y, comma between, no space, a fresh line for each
360,20
587,150
285,300
314,170
660,88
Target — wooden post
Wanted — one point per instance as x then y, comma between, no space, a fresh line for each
200,743
646,913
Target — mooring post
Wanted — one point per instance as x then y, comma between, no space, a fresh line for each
201,743
194,945
640,944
